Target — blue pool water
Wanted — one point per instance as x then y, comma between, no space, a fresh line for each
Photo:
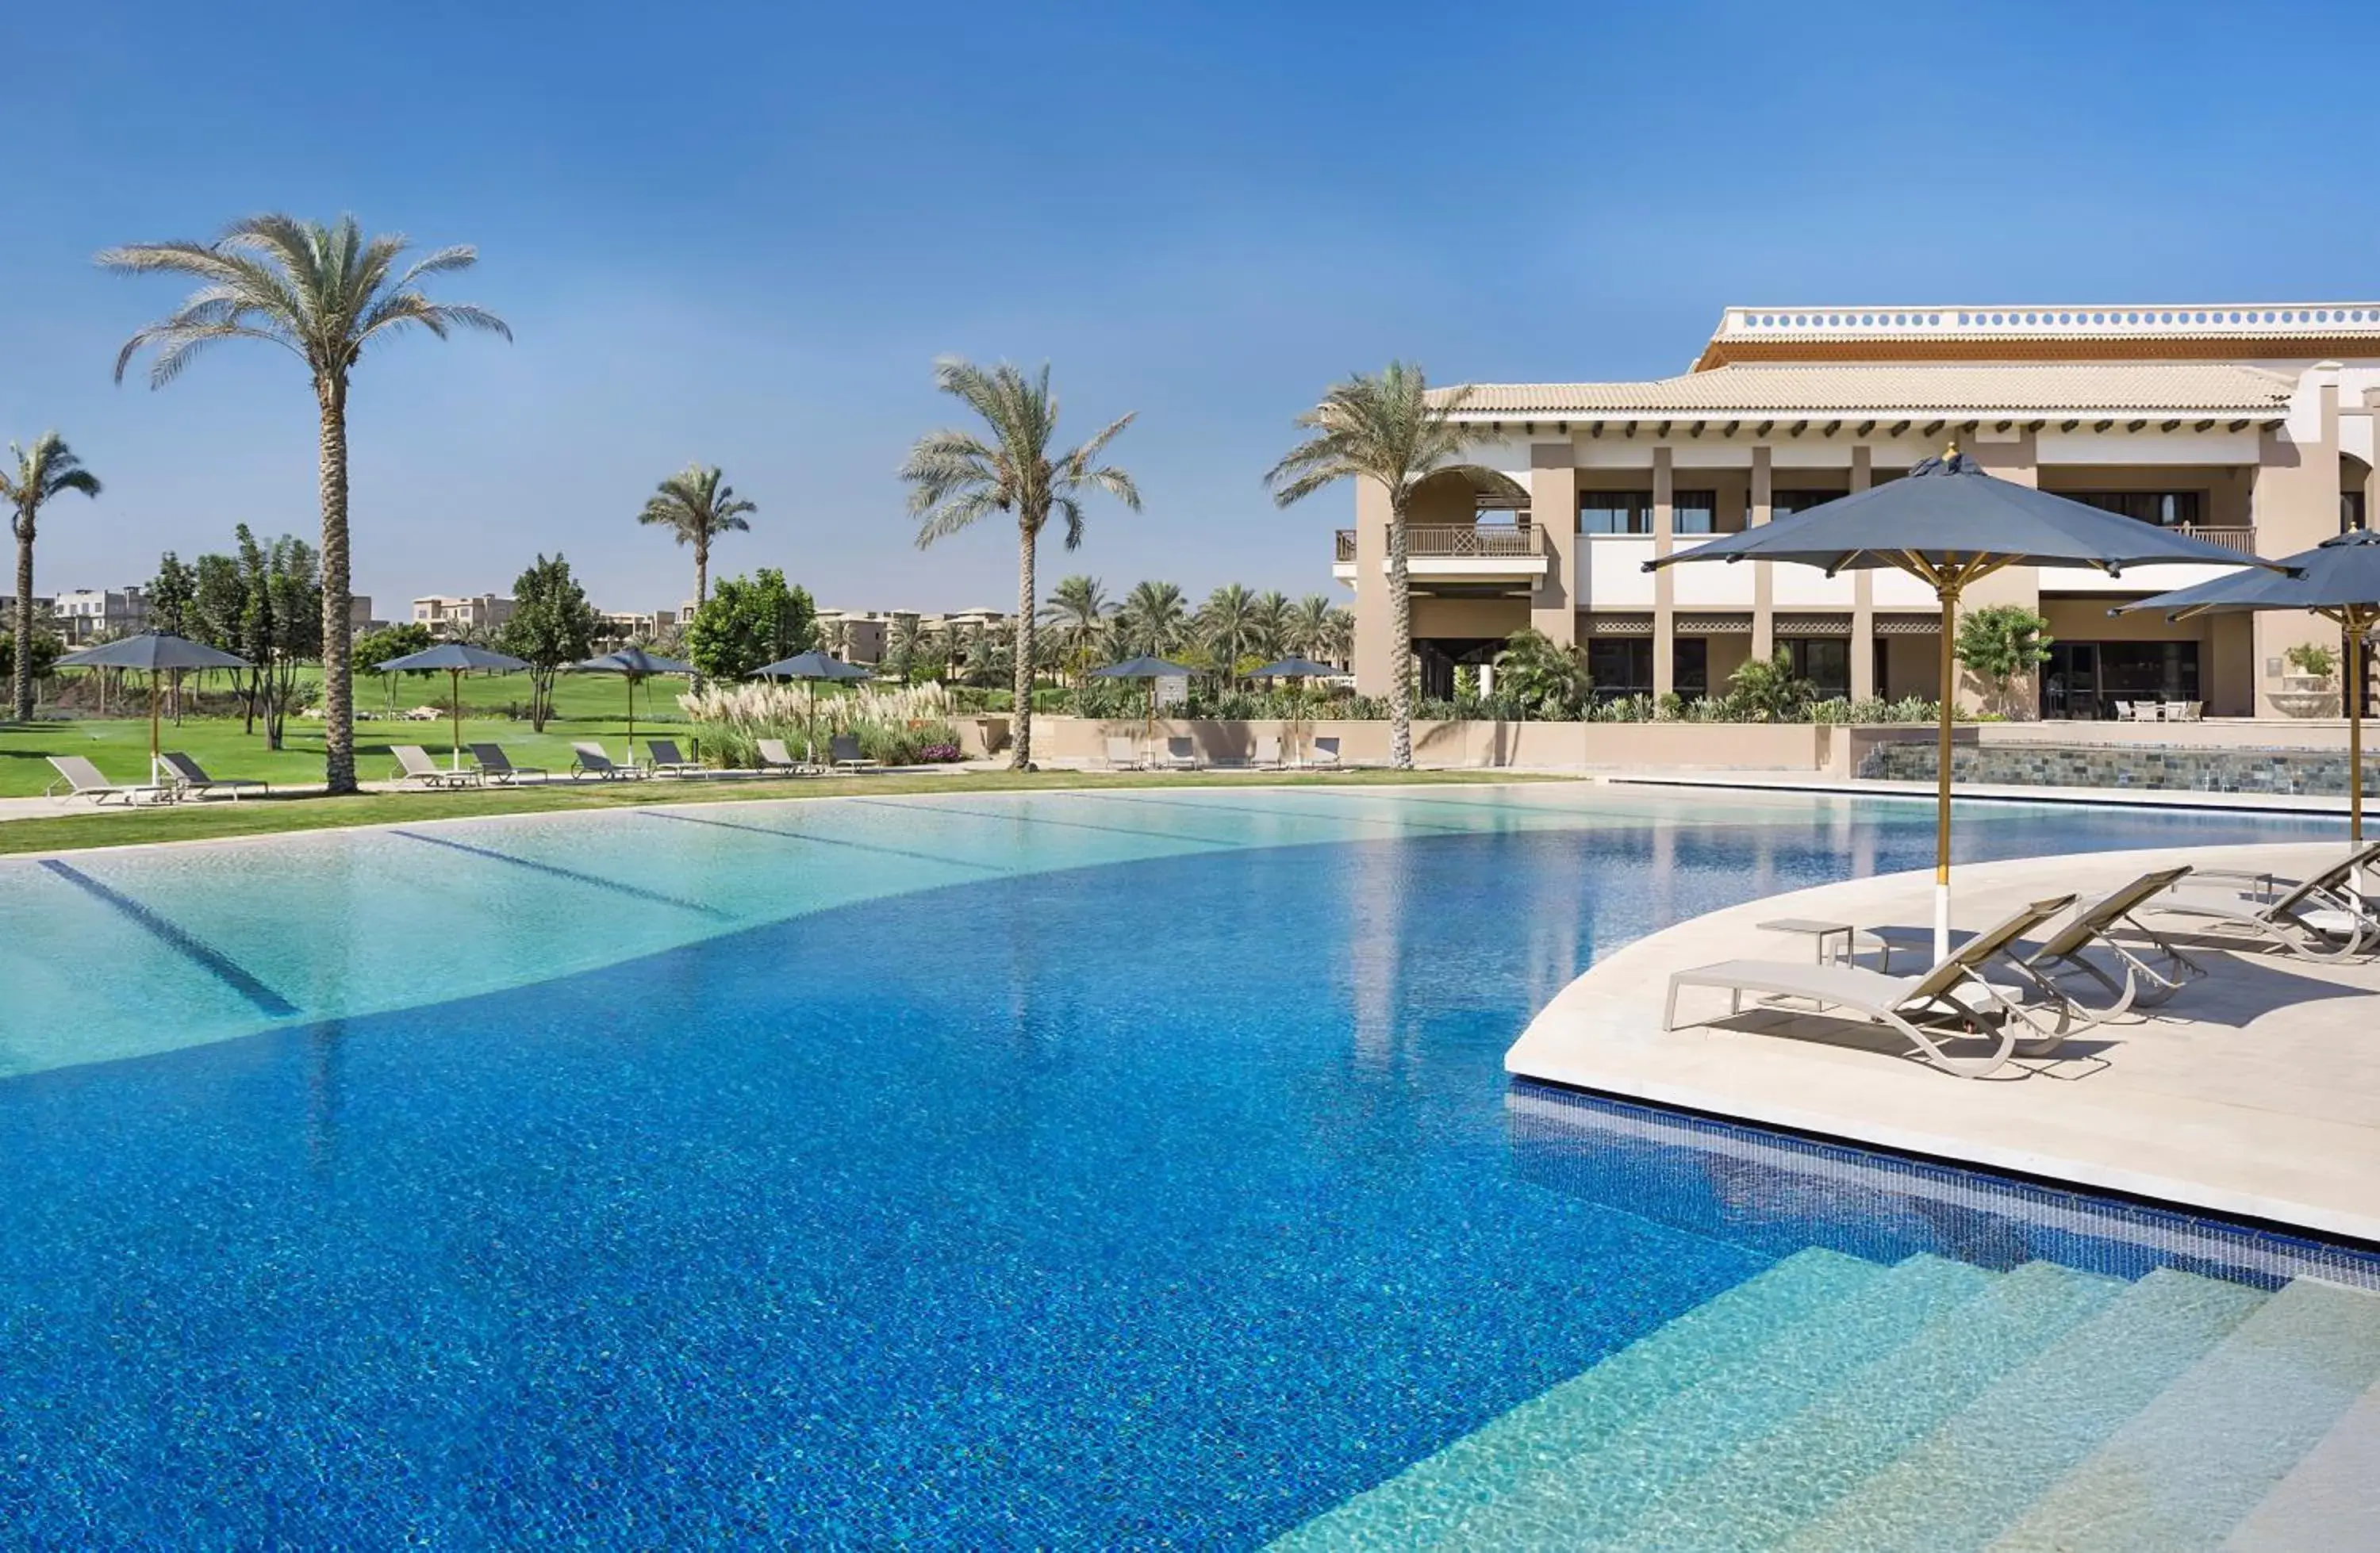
1072,1172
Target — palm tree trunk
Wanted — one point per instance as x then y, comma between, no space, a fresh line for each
1400,642
338,684
22,677
1020,757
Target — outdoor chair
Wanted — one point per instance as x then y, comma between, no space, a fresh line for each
775,757
586,758
1181,754
2314,918
2062,954
1928,1010
1325,752
843,750
1123,755
190,779
78,778
415,764
668,761
496,766
1268,750
2128,711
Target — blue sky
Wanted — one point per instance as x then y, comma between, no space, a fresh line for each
741,233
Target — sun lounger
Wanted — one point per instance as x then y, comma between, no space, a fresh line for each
2313,919
843,750
1180,755
775,757
1123,755
1268,750
191,778
496,766
1324,751
415,764
2064,952
78,778
586,758
1951,1001
668,761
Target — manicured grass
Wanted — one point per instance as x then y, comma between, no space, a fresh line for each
253,816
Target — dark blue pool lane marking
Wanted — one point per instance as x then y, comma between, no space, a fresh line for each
1045,820
573,874
823,841
230,972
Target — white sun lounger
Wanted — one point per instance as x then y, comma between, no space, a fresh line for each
415,764
775,757
1952,994
2313,919
78,778
1123,755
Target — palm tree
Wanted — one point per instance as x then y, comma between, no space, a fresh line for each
901,645
1152,619
1227,628
696,507
1308,625
43,470
957,476
1078,607
323,293
1269,625
1392,430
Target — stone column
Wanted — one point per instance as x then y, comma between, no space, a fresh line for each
1763,584
1553,511
1373,639
1665,619
2294,506
2016,458
1863,594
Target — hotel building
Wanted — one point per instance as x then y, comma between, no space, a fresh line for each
2251,427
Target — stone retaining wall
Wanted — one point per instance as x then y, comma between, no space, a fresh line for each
2190,771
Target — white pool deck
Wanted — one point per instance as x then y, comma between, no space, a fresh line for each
2254,1091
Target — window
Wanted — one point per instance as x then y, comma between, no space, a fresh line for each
2167,509
1689,667
1620,666
1783,503
2350,511
1824,661
1615,512
1694,512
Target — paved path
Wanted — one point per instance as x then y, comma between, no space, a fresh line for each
2254,1092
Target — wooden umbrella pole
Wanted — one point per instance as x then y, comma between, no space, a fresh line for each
2357,623
1949,596
152,727
455,711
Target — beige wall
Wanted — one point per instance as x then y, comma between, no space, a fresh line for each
2295,508
1613,746
1553,508
1468,617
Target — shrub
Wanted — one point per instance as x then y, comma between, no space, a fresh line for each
894,726
2313,659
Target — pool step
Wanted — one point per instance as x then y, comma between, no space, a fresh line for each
2195,1461
1963,1484
1429,1498
1593,1496
1757,1497
2331,1498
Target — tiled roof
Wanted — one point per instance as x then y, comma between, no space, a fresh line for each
1908,388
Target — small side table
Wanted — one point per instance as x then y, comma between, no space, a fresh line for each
1822,933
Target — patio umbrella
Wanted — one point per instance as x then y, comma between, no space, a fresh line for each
152,652
633,664
1152,669
1299,669
2339,579
1949,525
452,656
809,666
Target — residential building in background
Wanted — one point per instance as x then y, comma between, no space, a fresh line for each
449,618
2248,426
617,628
856,636
360,616
98,614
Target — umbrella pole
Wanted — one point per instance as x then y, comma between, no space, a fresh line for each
153,724
454,709
1942,782
2356,626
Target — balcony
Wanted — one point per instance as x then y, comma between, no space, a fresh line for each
1461,556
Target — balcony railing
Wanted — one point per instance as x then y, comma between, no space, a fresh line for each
2241,540
1442,539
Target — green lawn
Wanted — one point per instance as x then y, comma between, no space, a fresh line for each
213,818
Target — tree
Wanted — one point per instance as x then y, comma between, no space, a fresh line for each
1999,642
1268,626
1768,690
1227,629
902,644
41,471
219,601
1078,608
173,598
286,601
1390,429
401,640
1153,621
1550,679
696,505
552,626
323,293
957,476
748,623
46,649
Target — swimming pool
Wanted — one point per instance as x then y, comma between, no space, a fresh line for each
1095,1170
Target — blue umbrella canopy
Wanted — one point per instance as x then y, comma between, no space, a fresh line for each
454,657
1294,668
812,665
633,660
1143,668
2338,578
1950,523
150,652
